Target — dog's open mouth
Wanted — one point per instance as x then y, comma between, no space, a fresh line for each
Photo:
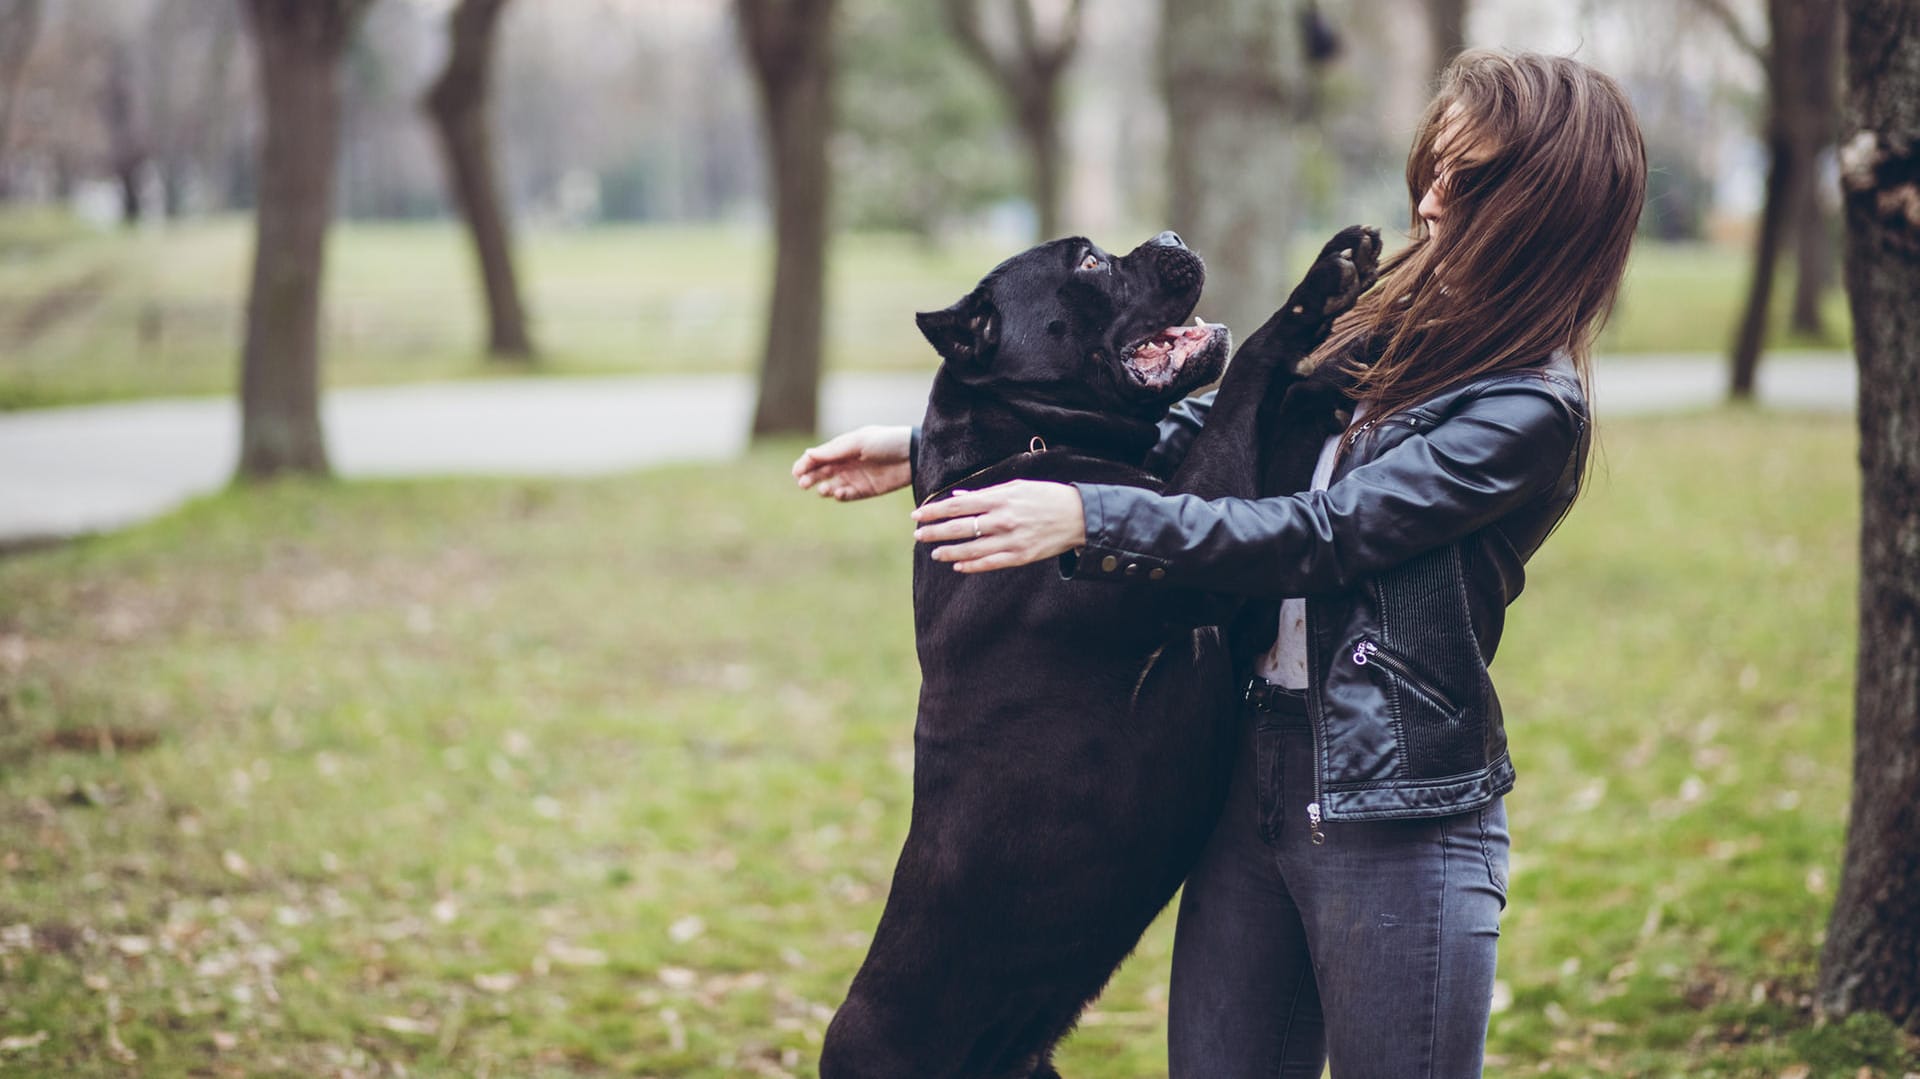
1158,360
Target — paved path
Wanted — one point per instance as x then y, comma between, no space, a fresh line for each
68,471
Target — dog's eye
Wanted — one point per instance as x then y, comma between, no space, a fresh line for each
1091,262
1057,328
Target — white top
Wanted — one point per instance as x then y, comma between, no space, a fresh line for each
1285,664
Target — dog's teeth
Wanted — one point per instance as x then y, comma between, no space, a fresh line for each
1197,321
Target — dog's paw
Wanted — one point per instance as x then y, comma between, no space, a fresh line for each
1345,268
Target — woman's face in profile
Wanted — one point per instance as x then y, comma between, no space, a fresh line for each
1451,147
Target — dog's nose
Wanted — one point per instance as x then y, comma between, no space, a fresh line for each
1168,238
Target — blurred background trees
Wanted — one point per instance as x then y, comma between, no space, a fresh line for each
459,102
688,178
1799,62
1028,64
790,43
1246,125
299,44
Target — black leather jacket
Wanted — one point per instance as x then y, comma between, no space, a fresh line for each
1407,561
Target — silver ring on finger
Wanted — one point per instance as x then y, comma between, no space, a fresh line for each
976,527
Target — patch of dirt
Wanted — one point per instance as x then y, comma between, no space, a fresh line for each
105,741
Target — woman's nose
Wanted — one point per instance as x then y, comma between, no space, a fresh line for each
1429,208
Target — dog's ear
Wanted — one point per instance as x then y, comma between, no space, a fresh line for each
966,333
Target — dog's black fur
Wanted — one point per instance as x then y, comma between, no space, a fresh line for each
1073,739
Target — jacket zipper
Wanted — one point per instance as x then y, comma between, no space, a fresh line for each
1369,651
1314,834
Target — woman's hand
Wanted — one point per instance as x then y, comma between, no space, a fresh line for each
1011,524
864,462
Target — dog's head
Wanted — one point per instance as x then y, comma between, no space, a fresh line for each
1067,326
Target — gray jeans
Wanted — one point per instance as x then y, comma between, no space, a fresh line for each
1372,952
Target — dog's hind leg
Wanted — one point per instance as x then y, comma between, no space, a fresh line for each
860,1045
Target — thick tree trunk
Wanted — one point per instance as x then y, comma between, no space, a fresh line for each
1446,31
790,45
1236,80
299,44
457,103
1029,72
1871,960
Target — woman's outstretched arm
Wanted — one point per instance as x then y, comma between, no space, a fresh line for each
862,463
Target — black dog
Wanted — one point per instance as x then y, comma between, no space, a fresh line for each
1073,739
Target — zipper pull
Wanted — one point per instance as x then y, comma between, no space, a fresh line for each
1313,824
1364,651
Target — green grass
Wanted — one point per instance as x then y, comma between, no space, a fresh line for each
606,778
88,315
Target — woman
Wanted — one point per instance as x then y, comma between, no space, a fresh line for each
1347,907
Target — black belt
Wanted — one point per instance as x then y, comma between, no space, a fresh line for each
1264,696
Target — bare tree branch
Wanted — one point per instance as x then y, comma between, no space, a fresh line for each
1729,20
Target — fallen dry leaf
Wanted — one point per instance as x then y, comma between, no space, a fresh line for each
401,1024
496,983
18,1042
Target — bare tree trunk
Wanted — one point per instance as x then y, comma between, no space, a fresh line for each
1040,131
1238,87
1871,960
1798,66
1814,260
299,44
458,104
1446,31
1816,104
789,44
1782,180
19,27
127,147
1029,73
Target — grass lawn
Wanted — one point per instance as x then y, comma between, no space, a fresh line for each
606,778
87,314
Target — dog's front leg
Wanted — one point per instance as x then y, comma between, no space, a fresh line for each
1224,459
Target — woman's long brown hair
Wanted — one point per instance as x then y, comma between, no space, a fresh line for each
1546,173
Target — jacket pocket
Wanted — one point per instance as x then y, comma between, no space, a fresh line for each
1368,652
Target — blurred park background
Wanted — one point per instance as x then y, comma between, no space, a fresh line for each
510,757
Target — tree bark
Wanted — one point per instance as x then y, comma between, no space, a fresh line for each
1446,32
298,44
789,46
19,27
1029,74
1238,90
457,102
1871,959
